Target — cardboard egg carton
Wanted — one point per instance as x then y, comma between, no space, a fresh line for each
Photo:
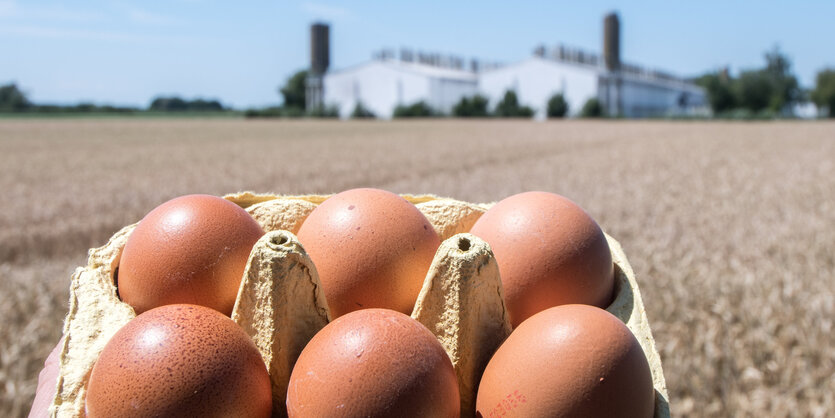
280,303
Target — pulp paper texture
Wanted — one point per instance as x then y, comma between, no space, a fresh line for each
281,306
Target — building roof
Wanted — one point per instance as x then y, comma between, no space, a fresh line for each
416,68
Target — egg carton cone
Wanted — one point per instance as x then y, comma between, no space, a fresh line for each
280,303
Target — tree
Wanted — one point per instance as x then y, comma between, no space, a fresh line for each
773,88
824,93
12,98
418,109
509,107
294,91
755,90
592,109
361,112
165,104
557,106
176,104
471,107
205,105
719,92
785,89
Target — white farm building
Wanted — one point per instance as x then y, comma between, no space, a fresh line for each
381,85
387,81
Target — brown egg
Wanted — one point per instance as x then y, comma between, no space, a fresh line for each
373,363
550,252
371,248
179,360
192,249
568,361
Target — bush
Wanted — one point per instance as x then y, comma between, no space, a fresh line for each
267,112
471,107
292,112
176,104
361,112
592,109
415,110
509,107
557,106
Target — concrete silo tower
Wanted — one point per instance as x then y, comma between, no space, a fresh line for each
319,63
611,82
611,41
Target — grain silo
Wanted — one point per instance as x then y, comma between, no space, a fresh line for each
319,63
611,41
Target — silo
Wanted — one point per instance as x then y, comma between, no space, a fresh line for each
319,48
611,41
319,63
612,94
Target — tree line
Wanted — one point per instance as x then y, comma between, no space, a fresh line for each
766,92
14,100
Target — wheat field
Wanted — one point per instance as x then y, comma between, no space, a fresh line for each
730,226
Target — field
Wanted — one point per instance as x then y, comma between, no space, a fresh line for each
730,226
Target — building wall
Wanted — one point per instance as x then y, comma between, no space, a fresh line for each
635,97
647,99
381,86
445,93
535,80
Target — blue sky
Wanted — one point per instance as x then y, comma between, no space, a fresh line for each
126,52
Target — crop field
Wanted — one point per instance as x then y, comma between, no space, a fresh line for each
730,226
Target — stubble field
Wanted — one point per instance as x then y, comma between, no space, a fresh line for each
730,226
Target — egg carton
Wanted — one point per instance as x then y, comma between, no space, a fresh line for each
281,306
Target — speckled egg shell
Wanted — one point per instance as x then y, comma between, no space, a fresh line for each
550,252
192,249
371,248
179,360
568,361
373,363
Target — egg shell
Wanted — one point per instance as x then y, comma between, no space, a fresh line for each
570,360
550,252
179,360
191,249
373,363
372,249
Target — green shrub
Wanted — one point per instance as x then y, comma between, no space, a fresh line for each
176,104
557,106
418,109
267,112
471,107
361,112
592,109
509,107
